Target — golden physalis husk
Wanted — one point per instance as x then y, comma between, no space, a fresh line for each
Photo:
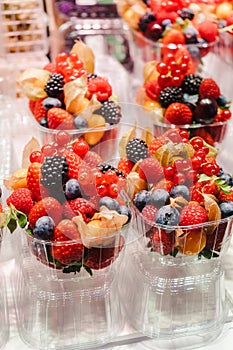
102,229
32,145
17,180
167,152
134,184
85,54
191,242
95,121
74,95
129,135
214,213
150,72
32,82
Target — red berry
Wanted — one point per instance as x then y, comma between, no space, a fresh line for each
48,206
209,88
62,137
150,170
193,214
80,147
178,113
35,156
78,206
21,199
162,241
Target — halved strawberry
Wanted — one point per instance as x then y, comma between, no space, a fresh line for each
48,206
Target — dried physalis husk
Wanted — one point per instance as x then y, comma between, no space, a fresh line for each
134,184
102,229
17,180
74,95
178,202
32,81
85,54
214,213
167,152
150,72
31,146
129,135
147,135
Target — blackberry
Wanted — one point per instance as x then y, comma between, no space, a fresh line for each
54,172
146,19
104,167
110,111
169,95
54,86
191,84
136,149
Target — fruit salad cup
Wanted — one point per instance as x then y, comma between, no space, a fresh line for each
179,98
183,201
73,223
68,95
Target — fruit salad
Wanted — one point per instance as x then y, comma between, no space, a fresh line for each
68,201
183,198
182,98
68,95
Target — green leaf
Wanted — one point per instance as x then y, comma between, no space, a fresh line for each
88,269
12,225
204,177
174,252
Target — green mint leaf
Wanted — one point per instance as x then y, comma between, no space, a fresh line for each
12,225
88,269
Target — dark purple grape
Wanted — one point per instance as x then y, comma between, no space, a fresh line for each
205,111
154,31
145,20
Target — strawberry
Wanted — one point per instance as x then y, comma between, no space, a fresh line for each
92,159
173,36
39,111
74,162
208,30
150,170
21,199
33,181
193,214
162,241
125,165
71,251
178,113
209,88
78,206
223,196
60,119
48,206
149,212
99,258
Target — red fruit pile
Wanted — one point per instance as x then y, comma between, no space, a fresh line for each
179,189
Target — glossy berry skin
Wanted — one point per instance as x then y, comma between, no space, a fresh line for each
154,31
72,189
124,210
110,203
226,209
180,191
159,198
205,111
80,122
167,216
44,228
141,199
193,214
51,102
228,178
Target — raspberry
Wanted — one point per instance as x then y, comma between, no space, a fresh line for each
39,111
78,206
155,144
21,199
150,170
193,214
99,87
209,88
60,119
125,165
223,197
149,212
162,242
179,114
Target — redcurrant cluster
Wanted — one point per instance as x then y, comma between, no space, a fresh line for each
70,66
172,71
187,171
109,183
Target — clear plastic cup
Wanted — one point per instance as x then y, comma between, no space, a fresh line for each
61,308
4,320
182,297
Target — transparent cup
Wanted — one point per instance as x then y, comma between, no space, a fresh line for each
4,318
183,293
60,307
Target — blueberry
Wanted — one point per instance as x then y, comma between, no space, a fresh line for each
44,122
51,102
180,191
227,178
167,216
194,51
159,198
221,101
72,189
80,122
190,34
166,23
141,199
226,209
222,23
124,210
110,203
44,228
